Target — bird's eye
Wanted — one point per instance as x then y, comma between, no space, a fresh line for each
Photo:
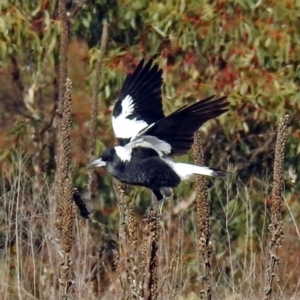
107,158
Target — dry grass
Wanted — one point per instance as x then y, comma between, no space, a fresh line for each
30,260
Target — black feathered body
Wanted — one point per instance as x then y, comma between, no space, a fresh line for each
152,172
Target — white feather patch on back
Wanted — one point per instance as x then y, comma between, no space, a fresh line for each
123,153
154,143
187,171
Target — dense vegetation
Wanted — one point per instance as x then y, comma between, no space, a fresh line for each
249,50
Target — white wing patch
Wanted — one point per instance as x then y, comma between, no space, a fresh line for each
126,128
127,106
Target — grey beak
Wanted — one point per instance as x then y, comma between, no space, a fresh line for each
98,163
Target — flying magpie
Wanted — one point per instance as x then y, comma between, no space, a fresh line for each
148,139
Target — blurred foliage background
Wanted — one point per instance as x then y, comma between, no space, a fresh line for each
249,50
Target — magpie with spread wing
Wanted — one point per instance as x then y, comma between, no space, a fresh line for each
139,103
147,145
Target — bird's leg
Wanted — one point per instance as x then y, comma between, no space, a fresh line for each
167,193
156,199
160,197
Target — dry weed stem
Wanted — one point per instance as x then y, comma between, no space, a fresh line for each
203,210
65,204
276,226
63,57
149,251
132,227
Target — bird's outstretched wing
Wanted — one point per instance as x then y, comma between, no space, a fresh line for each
173,135
139,103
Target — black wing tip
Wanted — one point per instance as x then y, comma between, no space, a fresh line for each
211,103
145,70
147,63
223,100
214,99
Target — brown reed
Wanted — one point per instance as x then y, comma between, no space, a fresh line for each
149,253
64,187
276,226
202,206
65,190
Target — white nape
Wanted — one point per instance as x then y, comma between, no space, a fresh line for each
123,153
126,128
187,171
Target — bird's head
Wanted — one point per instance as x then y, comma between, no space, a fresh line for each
110,157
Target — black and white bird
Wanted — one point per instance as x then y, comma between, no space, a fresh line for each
139,103
148,140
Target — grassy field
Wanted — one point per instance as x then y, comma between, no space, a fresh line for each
173,255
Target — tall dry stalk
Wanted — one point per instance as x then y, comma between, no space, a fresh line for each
64,187
138,261
130,263
124,262
95,104
63,57
205,247
132,227
122,190
64,196
276,226
149,254
61,96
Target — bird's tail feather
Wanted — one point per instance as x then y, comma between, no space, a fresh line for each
187,171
